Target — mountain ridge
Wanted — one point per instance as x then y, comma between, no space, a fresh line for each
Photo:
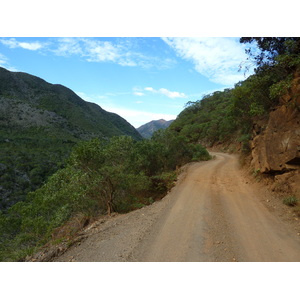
56,98
40,122
149,128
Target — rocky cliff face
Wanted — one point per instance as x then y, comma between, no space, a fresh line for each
276,142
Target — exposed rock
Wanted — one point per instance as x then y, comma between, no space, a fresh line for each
276,143
287,182
149,128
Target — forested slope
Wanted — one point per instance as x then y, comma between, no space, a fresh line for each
228,117
259,117
39,124
100,177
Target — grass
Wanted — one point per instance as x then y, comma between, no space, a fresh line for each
290,201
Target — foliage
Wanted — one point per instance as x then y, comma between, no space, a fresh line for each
26,162
100,176
281,88
208,120
228,116
120,174
272,47
39,125
290,201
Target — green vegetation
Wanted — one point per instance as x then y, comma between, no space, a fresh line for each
290,201
227,117
100,176
119,173
27,159
39,125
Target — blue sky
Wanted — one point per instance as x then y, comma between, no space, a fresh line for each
141,79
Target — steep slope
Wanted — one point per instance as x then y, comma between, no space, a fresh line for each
39,124
275,146
28,101
149,128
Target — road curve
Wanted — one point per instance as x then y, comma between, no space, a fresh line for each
214,215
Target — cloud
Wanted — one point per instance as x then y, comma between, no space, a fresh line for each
101,51
137,117
166,92
4,63
151,89
3,59
66,47
138,94
216,58
13,43
124,52
171,94
133,116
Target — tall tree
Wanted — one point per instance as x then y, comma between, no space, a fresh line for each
270,48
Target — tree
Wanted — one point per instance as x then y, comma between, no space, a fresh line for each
272,48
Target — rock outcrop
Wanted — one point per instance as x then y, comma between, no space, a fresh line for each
276,142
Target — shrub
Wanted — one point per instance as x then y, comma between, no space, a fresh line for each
290,201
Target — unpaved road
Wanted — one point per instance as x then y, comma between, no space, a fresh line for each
212,214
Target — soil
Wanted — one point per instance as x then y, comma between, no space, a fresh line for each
215,212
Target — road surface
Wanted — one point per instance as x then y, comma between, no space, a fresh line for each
212,214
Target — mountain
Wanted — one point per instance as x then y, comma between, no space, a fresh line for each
29,101
39,124
149,128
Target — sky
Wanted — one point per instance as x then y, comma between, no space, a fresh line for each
139,78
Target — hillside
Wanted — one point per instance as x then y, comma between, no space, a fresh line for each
30,101
39,124
149,128
258,118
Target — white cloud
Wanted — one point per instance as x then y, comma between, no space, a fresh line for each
67,46
13,43
166,92
171,94
123,51
138,117
3,59
151,89
84,96
138,94
4,63
216,58
133,116
100,51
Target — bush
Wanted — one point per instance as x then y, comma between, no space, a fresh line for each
290,201
100,177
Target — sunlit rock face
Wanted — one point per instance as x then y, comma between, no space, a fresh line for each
276,143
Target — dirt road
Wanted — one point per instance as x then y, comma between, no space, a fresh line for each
212,214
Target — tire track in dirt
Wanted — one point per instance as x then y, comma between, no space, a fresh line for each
212,214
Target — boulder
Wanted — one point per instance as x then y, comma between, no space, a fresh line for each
276,144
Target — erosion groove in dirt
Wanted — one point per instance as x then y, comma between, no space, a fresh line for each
212,214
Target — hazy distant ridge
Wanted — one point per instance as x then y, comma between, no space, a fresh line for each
149,128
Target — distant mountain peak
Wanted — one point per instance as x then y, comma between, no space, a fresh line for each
149,128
